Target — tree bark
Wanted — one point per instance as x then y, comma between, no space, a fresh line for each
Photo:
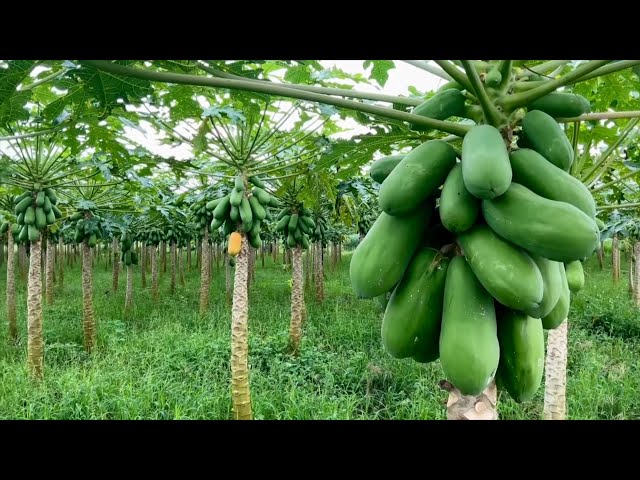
600,252
143,262
630,254
11,288
128,298
555,383
319,273
181,266
297,301
307,270
61,258
116,262
204,276
35,343
154,273
239,338
470,407
227,276
172,246
615,259
163,246
50,271
189,256
87,299
634,259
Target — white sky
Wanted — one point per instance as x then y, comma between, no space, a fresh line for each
400,78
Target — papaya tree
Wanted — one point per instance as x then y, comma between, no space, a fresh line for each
11,230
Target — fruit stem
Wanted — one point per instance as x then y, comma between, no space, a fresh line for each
491,114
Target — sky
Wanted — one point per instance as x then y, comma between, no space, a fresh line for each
400,78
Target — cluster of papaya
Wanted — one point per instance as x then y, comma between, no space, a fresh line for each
127,255
35,210
87,227
242,210
151,236
318,233
202,216
472,260
296,225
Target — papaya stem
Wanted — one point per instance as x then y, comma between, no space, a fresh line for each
456,74
620,205
491,114
185,79
608,69
504,67
511,102
601,116
422,65
615,181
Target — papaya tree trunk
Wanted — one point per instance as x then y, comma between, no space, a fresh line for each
49,271
615,259
11,288
87,299
154,273
276,248
633,262
172,246
199,254
116,262
297,301
143,262
128,297
181,266
262,254
189,255
319,273
600,252
43,268
227,276
163,246
307,268
555,369
35,343
239,337
471,407
630,254
204,276
61,264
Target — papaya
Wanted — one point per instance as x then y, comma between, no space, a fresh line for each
56,212
309,221
255,240
552,286
450,85
234,214
305,242
30,216
34,233
20,219
49,192
601,224
229,226
545,136
41,218
444,104
507,272
75,217
281,225
235,198
486,169
239,184
222,209
40,199
21,197
458,208
575,275
493,78
212,204
23,236
561,105
258,183
293,222
561,308
380,259
4,228
549,228
93,241
235,244
469,349
263,197
417,176
216,223
23,204
521,362
415,307
533,171
257,209
382,167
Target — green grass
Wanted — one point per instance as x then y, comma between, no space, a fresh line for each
166,363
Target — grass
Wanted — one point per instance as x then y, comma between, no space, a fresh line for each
165,363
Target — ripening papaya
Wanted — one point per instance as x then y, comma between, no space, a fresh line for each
544,135
469,348
380,260
235,244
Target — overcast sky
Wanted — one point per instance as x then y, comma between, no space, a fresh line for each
400,78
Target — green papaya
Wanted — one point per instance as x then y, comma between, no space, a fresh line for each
415,307
382,167
235,198
24,204
533,171
305,242
469,349
222,209
30,216
21,197
212,204
380,259
257,209
34,233
4,228
41,218
601,224
234,214
255,240
416,177
545,136
239,184
561,308
40,199
551,281
75,217
56,212
521,362
507,272
444,104
575,275
257,182
450,85
263,197
458,208
549,228
293,222
216,223
282,224
486,169
23,236
561,105
93,241
20,219
493,78
52,195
